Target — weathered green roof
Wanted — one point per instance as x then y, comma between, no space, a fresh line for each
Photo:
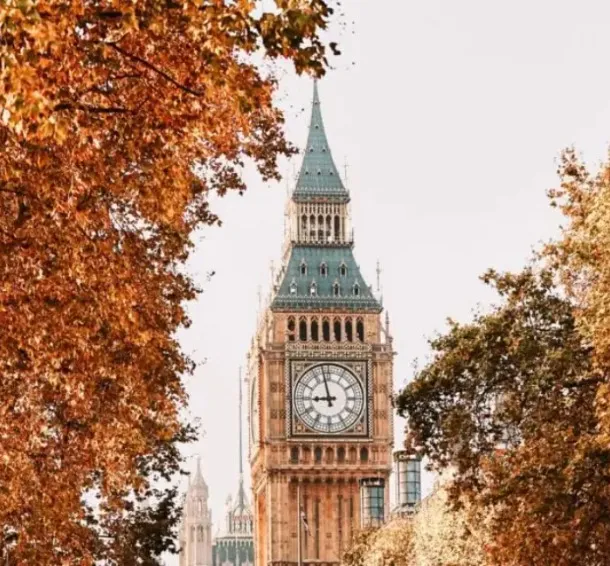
319,175
295,293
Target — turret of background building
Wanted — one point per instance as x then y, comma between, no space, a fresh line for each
196,526
407,471
235,546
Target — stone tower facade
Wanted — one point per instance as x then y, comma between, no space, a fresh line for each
235,545
196,525
320,382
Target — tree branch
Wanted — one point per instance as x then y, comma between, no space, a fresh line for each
150,66
583,382
94,109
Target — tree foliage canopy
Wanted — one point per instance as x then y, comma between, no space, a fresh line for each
582,256
391,545
436,535
509,403
117,119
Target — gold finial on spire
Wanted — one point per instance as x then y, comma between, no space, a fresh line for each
316,97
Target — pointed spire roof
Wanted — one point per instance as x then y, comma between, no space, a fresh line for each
239,512
198,481
319,175
241,494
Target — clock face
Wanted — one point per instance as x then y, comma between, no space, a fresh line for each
328,398
254,410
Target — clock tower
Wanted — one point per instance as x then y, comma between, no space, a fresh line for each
320,382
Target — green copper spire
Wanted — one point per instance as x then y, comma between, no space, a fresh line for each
320,272
318,175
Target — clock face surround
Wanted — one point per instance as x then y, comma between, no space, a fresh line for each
328,398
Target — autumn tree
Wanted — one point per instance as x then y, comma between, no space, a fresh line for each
117,120
446,535
436,534
357,551
391,545
582,256
509,402
146,527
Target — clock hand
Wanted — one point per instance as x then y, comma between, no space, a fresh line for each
333,398
328,398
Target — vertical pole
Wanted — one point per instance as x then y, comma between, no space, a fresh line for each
299,560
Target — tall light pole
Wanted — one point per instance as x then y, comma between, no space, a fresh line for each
299,557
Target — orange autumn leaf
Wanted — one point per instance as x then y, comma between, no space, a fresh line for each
117,121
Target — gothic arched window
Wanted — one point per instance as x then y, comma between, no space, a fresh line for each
323,269
336,289
303,267
337,329
303,330
317,454
343,269
356,290
291,329
360,330
348,330
337,228
313,289
326,330
364,454
341,454
352,455
293,287
315,332
294,455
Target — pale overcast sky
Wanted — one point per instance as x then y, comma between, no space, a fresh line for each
451,116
